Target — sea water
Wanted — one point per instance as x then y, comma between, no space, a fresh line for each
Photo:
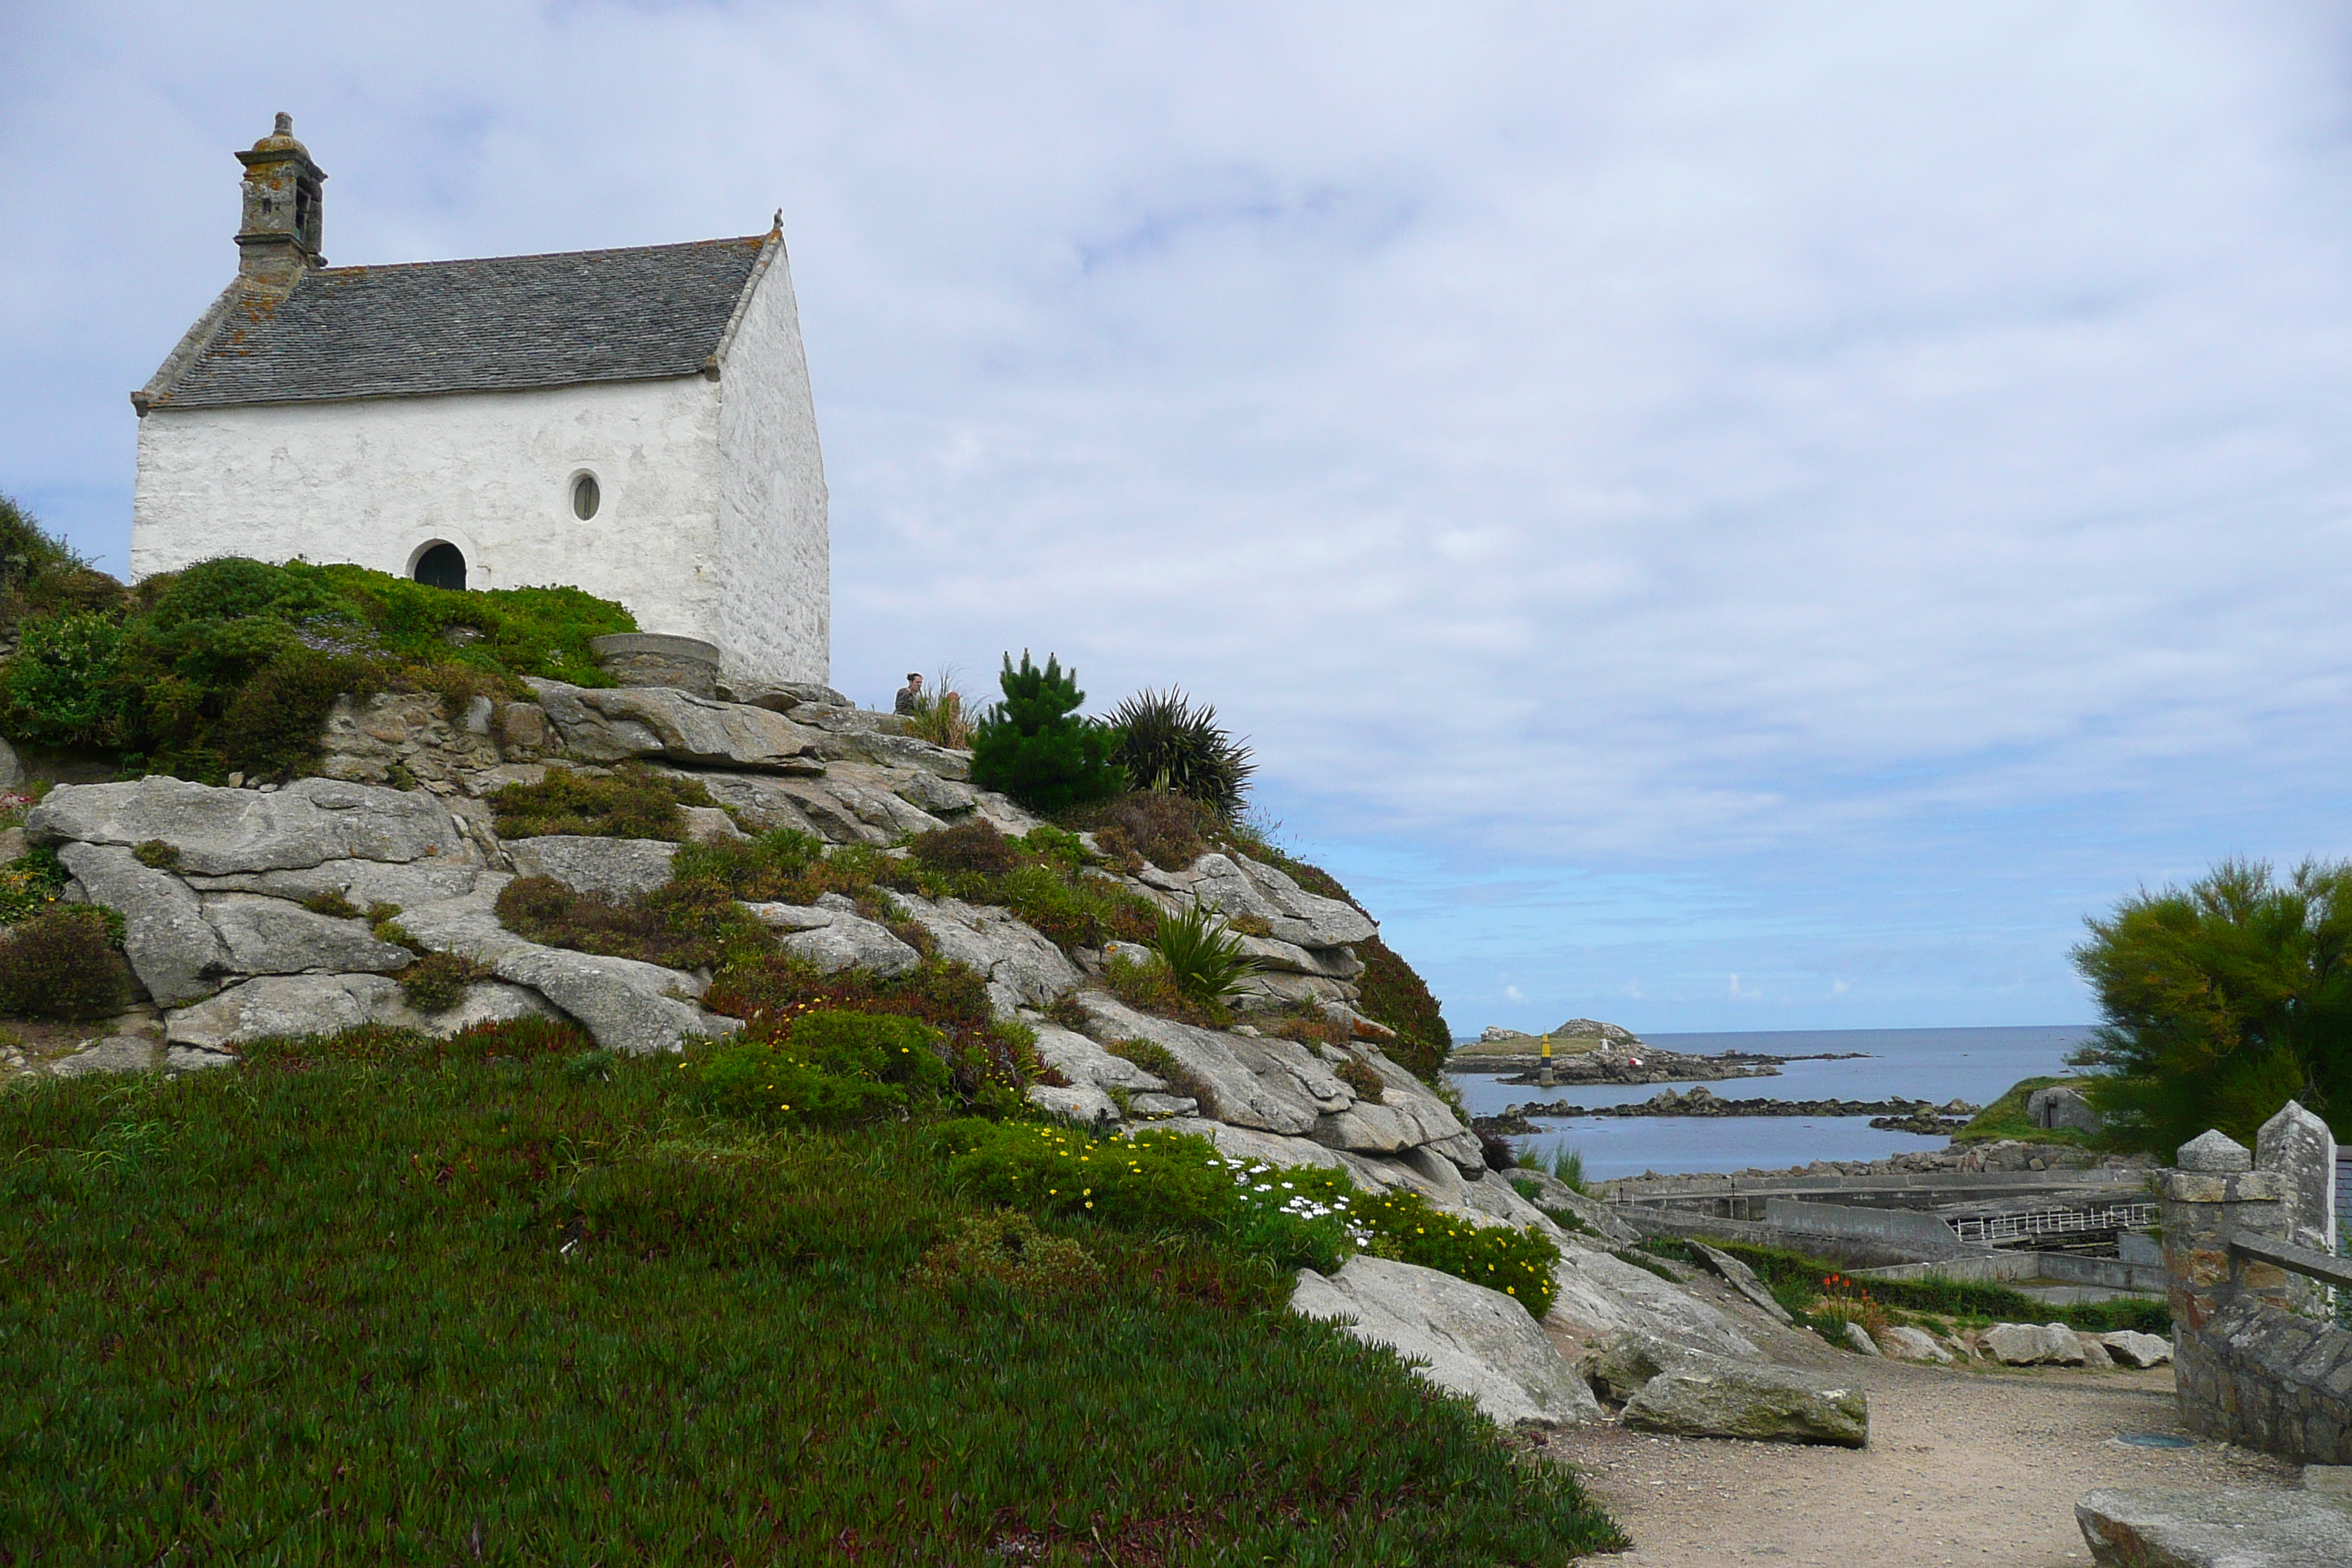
1939,1065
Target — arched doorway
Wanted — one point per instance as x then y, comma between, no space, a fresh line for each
442,566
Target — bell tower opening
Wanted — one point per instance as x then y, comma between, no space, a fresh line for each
442,566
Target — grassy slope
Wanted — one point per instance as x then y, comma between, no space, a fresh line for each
2006,1118
513,1311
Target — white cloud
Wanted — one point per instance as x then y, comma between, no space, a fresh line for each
1855,487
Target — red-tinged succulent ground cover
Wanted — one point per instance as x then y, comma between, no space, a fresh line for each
505,1298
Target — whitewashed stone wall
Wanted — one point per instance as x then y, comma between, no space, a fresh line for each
775,607
712,523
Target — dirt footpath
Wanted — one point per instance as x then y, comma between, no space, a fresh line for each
1964,1465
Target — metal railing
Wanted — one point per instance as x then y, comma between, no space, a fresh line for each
1996,1229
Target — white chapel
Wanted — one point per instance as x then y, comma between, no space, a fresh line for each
636,423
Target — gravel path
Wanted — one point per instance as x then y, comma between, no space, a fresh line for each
1964,1465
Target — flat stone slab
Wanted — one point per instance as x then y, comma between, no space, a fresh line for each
274,1005
614,723
2231,1528
613,869
836,938
1462,1337
220,832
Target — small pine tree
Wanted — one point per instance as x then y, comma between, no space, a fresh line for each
1033,747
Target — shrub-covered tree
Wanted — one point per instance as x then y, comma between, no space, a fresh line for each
1167,743
2221,1001
1033,747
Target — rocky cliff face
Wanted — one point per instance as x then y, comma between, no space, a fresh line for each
249,913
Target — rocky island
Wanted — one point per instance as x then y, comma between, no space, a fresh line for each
1888,1115
1586,1051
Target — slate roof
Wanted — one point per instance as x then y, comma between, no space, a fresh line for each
500,323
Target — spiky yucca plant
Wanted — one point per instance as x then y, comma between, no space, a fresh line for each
1167,743
1203,956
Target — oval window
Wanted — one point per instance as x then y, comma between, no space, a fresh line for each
584,497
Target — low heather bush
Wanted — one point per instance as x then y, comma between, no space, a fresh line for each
1365,1080
437,981
974,845
1006,1251
632,801
63,963
29,884
1166,829
684,924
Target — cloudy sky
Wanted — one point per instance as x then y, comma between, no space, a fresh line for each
1712,516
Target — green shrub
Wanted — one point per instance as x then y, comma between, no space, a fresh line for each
233,663
1167,744
437,981
332,902
157,854
783,864
271,727
63,963
989,1060
1205,960
831,1068
1161,1063
62,684
632,802
1033,747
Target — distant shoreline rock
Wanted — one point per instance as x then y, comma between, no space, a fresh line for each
1898,1115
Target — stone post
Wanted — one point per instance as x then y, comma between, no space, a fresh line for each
2298,1148
2216,1191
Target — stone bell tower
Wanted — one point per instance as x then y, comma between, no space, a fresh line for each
280,238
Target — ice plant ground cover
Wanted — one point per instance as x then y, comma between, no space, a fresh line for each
505,1299
1297,1215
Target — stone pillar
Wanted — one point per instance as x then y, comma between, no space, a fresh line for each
2300,1149
2216,1191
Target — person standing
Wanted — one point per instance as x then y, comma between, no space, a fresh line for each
910,696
